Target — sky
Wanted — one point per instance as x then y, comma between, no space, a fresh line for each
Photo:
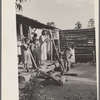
65,13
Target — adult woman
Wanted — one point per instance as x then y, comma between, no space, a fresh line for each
43,46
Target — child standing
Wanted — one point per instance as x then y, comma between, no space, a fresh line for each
26,51
72,49
67,57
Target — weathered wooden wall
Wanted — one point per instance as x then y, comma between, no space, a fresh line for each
84,39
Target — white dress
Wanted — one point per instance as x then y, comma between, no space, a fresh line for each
43,47
72,59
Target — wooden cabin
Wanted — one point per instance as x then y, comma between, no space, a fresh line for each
24,26
84,39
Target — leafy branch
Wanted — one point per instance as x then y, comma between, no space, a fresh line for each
18,5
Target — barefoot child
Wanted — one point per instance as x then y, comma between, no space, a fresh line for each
67,57
26,50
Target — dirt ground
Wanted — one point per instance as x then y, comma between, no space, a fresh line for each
80,84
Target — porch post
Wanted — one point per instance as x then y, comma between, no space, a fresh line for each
21,31
51,48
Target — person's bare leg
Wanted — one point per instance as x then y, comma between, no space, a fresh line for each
24,67
72,66
27,68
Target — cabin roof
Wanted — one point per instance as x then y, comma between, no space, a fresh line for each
33,23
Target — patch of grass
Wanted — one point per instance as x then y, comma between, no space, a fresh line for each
31,91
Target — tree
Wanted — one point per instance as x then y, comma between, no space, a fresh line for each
51,24
91,23
78,25
18,5
48,23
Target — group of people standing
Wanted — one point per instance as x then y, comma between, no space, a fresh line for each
31,46
31,49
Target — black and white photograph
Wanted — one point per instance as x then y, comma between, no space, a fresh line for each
55,50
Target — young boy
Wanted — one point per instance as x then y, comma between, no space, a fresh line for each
61,63
26,50
67,57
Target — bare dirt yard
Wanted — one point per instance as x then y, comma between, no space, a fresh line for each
80,84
